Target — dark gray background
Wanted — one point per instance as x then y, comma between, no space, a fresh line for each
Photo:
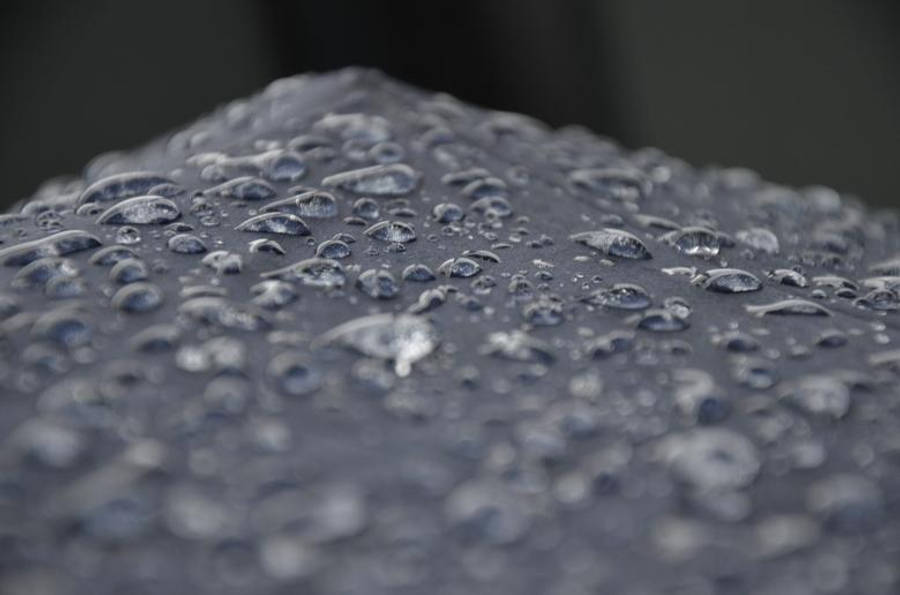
805,92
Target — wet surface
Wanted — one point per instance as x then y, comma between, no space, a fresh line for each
351,337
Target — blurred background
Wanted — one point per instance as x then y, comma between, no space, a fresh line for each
802,91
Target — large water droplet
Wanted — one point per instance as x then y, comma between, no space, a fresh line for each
278,223
392,231
730,281
613,242
401,338
396,179
58,244
790,307
313,272
141,210
121,186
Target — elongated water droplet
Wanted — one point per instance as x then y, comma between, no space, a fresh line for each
613,242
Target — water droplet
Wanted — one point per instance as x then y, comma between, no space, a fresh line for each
366,208
378,284
58,244
759,238
712,459
402,338
448,212
418,273
138,297
460,267
730,281
612,183
544,311
121,186
129,270
224,262
141,210
273,294
397,179
790,307
613,242
266,246
333,249
244,188
518,346
487,510
110,255
392,231
848,503
664,321
312,272
819,395
292,374
185,243
695,241
279,223
621,296
217,311
788,277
